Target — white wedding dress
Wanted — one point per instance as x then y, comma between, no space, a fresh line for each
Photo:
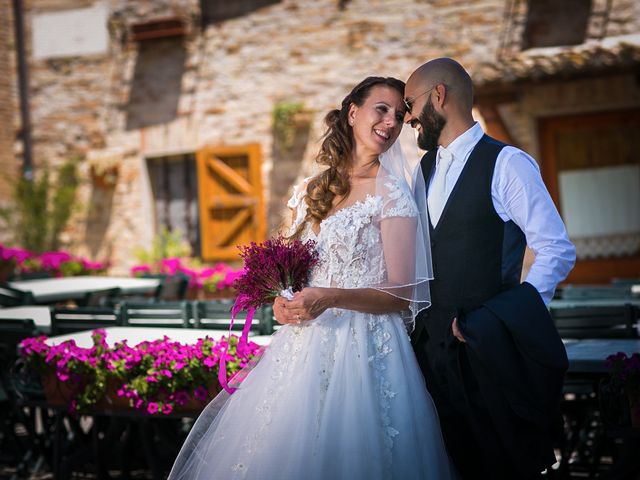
339,397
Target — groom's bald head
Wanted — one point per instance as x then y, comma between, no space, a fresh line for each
449,72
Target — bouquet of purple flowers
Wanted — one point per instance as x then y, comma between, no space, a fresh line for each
275,267
272,268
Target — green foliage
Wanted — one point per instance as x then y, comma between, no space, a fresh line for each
166,244
284,125
41,208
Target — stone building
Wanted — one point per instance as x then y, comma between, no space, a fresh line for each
200,115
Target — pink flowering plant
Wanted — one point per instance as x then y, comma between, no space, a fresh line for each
57,263
625,373
156,377
201,277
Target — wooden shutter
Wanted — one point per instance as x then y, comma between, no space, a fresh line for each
230,200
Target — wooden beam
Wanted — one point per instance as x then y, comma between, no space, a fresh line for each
238,221
231,201
494,123
230,175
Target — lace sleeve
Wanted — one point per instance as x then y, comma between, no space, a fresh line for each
398,201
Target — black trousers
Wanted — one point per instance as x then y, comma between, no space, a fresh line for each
472,441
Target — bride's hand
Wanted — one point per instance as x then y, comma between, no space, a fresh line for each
307,304
280,311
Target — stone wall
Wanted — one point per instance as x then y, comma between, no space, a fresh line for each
218,86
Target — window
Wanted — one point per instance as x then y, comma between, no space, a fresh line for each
175,195
554,23
592,169
219,10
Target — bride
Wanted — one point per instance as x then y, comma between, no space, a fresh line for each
338,393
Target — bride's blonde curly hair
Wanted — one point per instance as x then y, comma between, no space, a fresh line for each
335,152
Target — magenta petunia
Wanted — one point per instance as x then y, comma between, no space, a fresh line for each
182,397
133,368
200,393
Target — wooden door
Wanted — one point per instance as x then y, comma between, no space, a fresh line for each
230,200
591,165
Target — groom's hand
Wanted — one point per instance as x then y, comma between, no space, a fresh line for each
456,330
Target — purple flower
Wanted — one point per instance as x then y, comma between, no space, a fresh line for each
167,408
16,254
152,407
182,397
139,270
200,393
53,260
271,267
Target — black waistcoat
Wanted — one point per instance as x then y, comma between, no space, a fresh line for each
475,254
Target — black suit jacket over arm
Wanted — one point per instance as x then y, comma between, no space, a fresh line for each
519,362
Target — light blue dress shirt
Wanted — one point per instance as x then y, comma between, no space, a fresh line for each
519,194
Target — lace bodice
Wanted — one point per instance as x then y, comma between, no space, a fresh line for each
350,240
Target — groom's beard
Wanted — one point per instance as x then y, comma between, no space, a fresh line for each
432,125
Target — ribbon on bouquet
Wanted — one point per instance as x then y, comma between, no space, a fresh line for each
238,305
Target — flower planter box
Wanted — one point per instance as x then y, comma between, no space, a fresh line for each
201,294
161,376
57,393
60,394
6,270
105,179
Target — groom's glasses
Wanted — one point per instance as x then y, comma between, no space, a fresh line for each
409,103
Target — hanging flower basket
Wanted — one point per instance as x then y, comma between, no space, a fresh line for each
104,178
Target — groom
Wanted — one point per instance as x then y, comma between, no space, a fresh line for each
491,357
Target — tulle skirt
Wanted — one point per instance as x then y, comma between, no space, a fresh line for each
340,397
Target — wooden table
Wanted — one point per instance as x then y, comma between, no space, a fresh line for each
40,315
50,290
589,356
595,302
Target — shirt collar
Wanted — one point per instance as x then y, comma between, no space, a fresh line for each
461,147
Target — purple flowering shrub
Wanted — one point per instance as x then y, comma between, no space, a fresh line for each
156,377
625,371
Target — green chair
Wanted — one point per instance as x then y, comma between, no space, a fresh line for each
69,320
216,314
13,417
595,321
13,297
165,314
100,298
